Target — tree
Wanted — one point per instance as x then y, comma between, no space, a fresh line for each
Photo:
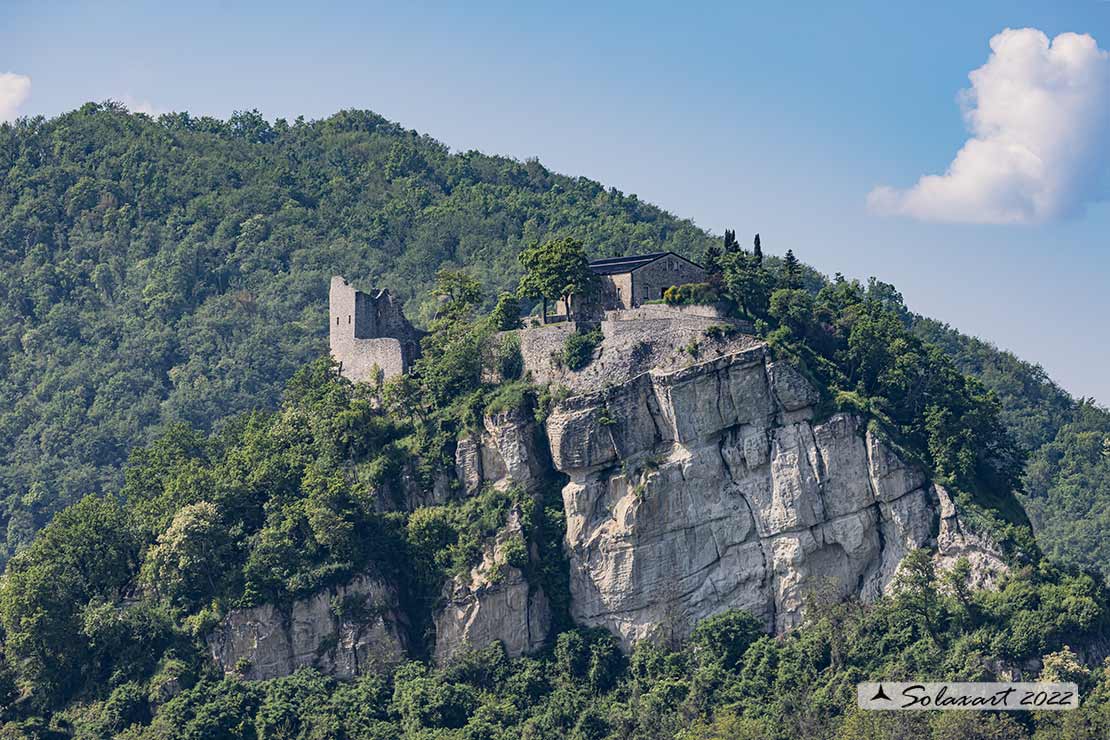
757,249
458,293
723,638
791,276
189,557
506,313
746,282
86,554
915,585
712,260
793,309
730,245
557,270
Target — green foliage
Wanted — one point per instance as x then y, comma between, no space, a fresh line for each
747,282
173,270
1067,484
793,308
58,597
506,312
508,359
728,681
180,564
725,638
447,540
557,269
790,275
291,489
511,396
578,349
690,294
162,279
856,342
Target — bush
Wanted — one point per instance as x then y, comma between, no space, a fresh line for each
506,314
508,359
578,350
518,394
724,638
690,294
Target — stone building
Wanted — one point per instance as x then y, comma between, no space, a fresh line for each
630,281
369,332
627,282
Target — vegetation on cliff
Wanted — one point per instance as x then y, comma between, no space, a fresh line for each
163,271
163,282
104,614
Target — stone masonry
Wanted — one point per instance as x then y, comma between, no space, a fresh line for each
369,334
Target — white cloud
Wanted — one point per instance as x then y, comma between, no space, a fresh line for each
1039,117
14,91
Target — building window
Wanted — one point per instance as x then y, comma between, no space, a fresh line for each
337,321
348,319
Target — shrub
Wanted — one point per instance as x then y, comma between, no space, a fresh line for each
506,314
579,348
511,396
508,359
724,638
690,294
516,553
548,397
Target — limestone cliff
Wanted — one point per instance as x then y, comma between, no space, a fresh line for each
346,631
494,602
712,487
696,481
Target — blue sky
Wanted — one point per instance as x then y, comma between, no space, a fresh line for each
777,118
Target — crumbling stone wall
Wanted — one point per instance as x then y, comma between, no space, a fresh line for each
368,331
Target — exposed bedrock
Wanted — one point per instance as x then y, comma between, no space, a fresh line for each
691,490
493,602
503,453
711,488
348,630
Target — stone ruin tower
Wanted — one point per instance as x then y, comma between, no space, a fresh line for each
368,331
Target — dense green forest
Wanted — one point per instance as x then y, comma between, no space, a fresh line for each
1066,486
163,290
173,270
156,272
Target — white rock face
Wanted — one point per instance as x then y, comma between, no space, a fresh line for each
503,454
709,488
363,635
493,603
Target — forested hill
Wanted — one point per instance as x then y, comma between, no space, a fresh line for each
154,271
1067,477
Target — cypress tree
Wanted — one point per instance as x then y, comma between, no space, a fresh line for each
730,241
757,250
713,259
